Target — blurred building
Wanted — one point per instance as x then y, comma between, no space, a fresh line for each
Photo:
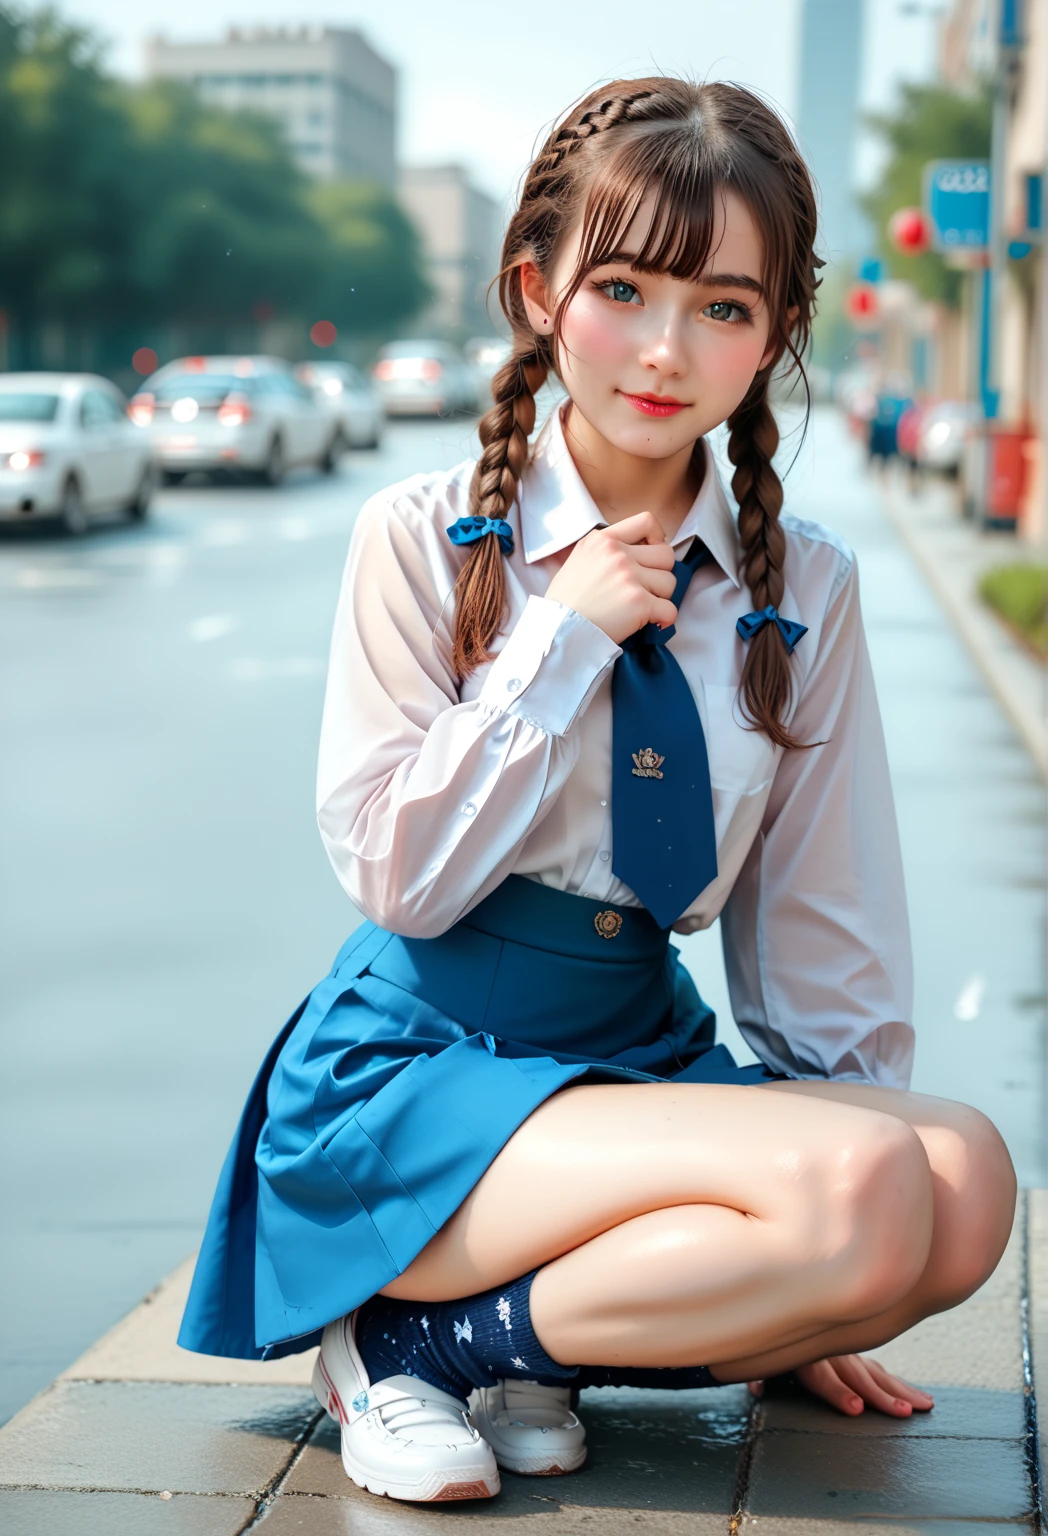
827,117
461,230
333,94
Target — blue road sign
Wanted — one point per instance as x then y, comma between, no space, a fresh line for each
957,201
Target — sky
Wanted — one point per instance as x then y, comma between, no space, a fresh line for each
481,80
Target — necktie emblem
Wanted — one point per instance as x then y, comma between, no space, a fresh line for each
647,764
607,924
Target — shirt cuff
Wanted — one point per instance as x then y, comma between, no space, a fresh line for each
550,667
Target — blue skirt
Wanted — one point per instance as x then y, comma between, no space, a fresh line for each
402,1075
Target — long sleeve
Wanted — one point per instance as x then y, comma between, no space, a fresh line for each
423,798
816,936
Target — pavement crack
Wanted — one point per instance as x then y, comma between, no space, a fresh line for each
744,1466
1031,1435
275,1487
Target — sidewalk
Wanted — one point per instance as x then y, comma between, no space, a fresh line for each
138,1437
952,554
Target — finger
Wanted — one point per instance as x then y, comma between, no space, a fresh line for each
899,1388
662,612
822,1379
658,583
641,528
660,555
756,1388
855,1373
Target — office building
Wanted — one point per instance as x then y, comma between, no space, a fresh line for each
333,94
827,117
460,228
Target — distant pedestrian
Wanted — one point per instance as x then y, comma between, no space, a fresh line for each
573,705
892,403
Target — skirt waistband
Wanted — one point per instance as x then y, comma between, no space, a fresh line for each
541,917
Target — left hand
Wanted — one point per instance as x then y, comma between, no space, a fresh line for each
851,1382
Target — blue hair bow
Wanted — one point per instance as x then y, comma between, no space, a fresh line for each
469,529
752,624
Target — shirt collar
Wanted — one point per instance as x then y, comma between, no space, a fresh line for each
556,509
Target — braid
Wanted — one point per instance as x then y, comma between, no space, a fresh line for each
480,588
754,437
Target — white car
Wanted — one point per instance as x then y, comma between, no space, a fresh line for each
233,413
424,378
67,450
350,398
944,428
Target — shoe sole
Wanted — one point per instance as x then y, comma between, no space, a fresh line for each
436,1488
542,1466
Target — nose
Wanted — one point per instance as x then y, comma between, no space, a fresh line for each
663,348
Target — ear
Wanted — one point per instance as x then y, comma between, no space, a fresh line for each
776,345
536,299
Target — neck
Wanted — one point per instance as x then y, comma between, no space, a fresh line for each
622,484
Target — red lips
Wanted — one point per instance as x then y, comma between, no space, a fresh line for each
655,405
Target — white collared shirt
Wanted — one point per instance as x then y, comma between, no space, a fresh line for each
429,794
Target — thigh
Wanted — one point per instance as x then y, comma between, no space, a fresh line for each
973,1182
591,1158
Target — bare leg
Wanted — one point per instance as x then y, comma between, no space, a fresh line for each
973,1185
685,1224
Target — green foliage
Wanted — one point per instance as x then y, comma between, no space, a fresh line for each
1019,593
931,123
376,276
122,203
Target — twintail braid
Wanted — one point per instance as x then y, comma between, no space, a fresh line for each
753,438
480,588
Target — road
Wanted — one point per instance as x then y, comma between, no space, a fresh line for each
166,901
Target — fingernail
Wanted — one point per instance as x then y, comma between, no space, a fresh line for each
900,1402
855,1403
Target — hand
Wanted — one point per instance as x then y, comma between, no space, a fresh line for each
850,1382
620,578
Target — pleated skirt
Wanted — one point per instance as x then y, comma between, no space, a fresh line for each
398,1080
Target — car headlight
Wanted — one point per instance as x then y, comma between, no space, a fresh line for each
24,458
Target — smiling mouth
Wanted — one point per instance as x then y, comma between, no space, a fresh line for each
654,405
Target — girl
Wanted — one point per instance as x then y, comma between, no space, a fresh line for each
495,1155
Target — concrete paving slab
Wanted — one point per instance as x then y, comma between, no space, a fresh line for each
367,1516
151,1437
751,1525
45,1512
1037,1227
853,1478
646,1452
965,1413
142,1347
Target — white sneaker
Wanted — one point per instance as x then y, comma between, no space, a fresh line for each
531,1429
400,1437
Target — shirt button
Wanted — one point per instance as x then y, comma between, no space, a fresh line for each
469,809
603,802
513,686
605,855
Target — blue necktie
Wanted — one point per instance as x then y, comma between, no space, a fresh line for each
663,840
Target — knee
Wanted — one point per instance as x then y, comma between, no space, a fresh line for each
880,1217
975,1191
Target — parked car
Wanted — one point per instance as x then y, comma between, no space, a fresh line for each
425,378
233,413
350,398
944,427
67,450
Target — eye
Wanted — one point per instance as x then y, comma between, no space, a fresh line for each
727,312
620,292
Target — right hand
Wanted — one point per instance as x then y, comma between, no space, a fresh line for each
620,578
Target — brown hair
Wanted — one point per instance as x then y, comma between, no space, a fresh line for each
680,143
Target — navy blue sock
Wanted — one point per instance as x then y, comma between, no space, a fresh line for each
457,1345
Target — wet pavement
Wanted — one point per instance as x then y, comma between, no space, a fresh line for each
167,903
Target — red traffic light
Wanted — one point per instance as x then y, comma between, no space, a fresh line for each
908,231
861,305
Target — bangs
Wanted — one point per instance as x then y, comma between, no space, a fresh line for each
670,171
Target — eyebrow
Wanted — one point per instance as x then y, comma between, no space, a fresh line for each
705,280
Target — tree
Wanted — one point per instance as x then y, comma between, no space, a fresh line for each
931,122
137,204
